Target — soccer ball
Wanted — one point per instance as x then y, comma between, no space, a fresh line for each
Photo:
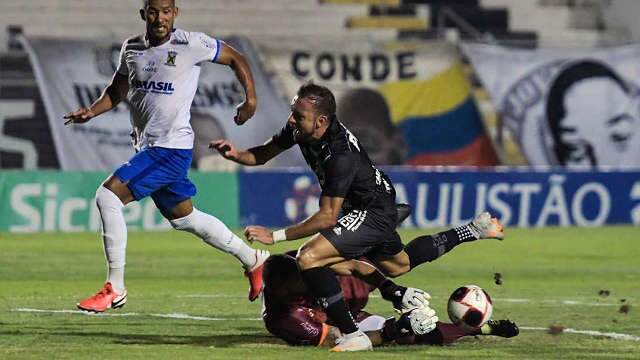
469,307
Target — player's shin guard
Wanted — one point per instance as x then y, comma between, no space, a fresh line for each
324,286
430,247
114,235
215,233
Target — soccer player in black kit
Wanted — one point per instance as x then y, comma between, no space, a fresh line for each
357,215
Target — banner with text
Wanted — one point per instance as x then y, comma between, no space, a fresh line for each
407,104
517,198
73,73
35,201
576,108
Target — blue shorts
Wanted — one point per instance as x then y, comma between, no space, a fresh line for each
161,173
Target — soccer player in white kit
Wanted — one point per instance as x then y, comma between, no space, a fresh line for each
158,75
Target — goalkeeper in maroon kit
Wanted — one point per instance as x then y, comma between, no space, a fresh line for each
290,313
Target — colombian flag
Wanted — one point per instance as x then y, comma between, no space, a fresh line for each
439,120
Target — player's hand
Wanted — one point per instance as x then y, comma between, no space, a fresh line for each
245,111
423,320
414,299
259,233
79,116
225,148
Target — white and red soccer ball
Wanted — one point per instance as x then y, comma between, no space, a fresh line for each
470,307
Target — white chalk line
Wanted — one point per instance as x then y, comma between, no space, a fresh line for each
556,301
612,335
166,316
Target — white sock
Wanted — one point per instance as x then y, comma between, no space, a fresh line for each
114,235
372,323
215,233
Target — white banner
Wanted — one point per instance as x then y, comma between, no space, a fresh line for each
73,73
576,108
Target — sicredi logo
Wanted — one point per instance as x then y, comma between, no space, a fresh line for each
36,207
156,87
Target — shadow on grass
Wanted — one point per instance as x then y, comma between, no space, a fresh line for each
255,338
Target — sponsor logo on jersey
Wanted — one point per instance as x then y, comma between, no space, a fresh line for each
156,87
353,219
337,230
171,58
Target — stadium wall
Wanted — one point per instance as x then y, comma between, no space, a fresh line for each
50,201
452,196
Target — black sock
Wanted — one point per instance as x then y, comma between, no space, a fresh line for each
390,331
394,329
430,247
325,288
393,292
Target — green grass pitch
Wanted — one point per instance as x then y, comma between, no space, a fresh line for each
551,276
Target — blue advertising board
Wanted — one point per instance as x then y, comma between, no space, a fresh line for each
451,197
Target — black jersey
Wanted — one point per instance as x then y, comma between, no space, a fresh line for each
342,166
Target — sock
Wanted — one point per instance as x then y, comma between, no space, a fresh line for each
392,331
450,333
215,233
393,292
114,235
430,247
443,333
398,330
371,323
323,285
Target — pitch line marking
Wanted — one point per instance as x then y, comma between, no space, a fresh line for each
556,301
612,335
165,316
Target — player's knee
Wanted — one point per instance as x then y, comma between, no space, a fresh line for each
306,259
187,223
106,199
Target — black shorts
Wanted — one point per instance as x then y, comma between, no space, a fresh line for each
369,232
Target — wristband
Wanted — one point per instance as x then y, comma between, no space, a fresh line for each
279,235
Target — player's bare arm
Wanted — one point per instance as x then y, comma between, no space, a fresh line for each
238,63
258,155
110,98
324,218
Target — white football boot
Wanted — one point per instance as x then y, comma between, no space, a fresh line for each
486,227
358,341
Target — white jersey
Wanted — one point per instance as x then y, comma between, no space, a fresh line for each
162,83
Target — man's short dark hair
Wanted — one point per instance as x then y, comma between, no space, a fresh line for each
278,270
322,98
145,3
568,76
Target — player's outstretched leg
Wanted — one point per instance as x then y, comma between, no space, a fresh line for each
114,236
430,247
215,233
